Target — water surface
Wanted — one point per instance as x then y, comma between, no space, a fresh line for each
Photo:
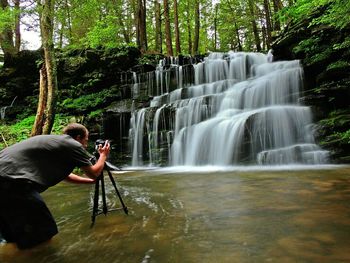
205,215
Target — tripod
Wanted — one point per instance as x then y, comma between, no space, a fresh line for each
100,179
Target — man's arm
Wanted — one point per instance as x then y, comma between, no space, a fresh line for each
79,179
95,170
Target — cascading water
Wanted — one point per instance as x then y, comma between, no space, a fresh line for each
239,108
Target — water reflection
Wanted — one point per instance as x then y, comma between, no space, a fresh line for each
203,216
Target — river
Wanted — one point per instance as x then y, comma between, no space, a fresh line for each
208,214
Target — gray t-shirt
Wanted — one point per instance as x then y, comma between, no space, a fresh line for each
44,159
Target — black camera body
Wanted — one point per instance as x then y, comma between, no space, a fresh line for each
108,165
100,142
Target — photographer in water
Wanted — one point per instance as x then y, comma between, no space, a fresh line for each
29,168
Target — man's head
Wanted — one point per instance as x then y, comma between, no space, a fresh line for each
78,132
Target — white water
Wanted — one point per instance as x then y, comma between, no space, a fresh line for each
3,109
241,109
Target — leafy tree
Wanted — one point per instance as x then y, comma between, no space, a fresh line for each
7,21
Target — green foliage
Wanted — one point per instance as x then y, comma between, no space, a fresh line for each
83,16
319,57
341,138
302,9
96,113
104,33
336,118
150,59
344,45
21,130
87,102
31,103
338,65
82,87
336,12
314,48
345,136
310,45
7,18
121,50
60,122
75,61
336,128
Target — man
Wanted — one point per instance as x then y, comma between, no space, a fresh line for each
30,167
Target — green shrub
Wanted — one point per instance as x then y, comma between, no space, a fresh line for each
338,65
87,102
10,134
19,131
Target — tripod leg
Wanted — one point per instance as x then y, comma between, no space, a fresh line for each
103,190
96,197
116,189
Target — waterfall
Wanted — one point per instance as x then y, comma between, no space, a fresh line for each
238,108
3,109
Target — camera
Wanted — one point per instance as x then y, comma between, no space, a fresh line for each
108,165
100,142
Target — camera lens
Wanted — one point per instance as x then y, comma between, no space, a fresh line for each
100,141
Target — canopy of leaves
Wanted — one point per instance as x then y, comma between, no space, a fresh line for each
7,18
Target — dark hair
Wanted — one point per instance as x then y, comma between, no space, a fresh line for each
75,129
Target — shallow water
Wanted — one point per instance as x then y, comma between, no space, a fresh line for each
294,214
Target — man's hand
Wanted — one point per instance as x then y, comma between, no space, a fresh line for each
96,169
105,149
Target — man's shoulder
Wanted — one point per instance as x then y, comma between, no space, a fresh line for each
52,140
49,137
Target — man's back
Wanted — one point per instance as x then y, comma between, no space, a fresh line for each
43,159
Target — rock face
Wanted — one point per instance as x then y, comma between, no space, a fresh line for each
324,53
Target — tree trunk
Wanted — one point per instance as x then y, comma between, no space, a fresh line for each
196,28
264,38
189,29
124,30
277,6
177,32
40,113
240,48
17,27
120,12
169,45
48,82
69,22
268,23
254,25
141,25
215,27
158,29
